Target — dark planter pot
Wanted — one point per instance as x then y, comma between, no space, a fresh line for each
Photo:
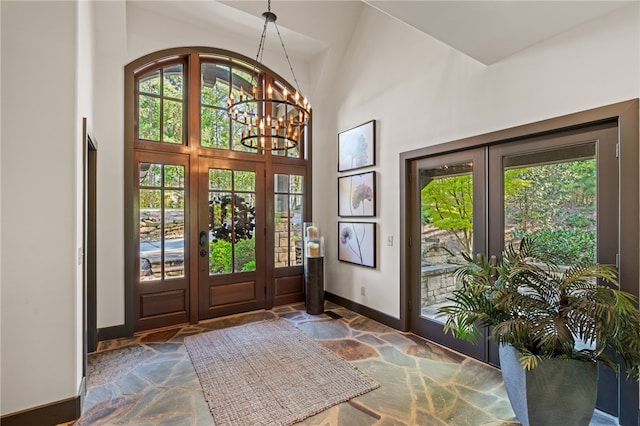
557,392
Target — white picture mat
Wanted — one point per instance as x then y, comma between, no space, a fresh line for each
357,195
356,147
357,243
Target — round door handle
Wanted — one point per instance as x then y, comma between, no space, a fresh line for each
203,253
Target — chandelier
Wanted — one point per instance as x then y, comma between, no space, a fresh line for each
271,117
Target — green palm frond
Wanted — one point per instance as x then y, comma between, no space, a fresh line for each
543,309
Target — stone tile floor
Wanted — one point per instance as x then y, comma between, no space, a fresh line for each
421,382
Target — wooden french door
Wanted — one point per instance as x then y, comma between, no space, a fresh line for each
577,181
161,292
231,237
448,218
562,188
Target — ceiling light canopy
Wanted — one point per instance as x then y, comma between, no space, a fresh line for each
270,117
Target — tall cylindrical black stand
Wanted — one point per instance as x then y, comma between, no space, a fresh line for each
314,285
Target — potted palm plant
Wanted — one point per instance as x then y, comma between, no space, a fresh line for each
553,325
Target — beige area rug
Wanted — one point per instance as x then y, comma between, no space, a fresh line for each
270,373
111,366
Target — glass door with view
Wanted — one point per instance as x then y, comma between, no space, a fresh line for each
563,192
450,224
231,246
162,289
288,218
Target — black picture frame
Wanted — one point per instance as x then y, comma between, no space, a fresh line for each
357,243
357,195
357,147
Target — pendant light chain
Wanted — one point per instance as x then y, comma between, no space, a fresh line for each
271,118
286,55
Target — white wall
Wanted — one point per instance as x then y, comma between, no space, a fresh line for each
422,93
84,108
109,57
39,262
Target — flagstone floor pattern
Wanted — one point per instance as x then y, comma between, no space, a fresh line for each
421,382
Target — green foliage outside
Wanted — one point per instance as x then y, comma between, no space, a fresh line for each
161,184
447,203
161,88
553,202
220,256
545,196
566,246
215,129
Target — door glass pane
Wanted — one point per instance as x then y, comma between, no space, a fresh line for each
173,233
150,234
446,200
296,184
281,238
281,183
295,230
244,232
220,179
232,221
161,221
219,232
244,181
150,174
551,195
173,176
288,219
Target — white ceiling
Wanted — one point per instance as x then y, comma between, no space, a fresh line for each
492,30
488,31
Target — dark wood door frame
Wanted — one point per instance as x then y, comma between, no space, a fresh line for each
625,115
88,255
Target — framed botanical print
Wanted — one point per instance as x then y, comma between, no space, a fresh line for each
357,195
357,243
357,147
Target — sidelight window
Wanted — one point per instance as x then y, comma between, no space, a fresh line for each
288,219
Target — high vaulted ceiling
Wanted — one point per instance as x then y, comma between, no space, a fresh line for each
487,31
